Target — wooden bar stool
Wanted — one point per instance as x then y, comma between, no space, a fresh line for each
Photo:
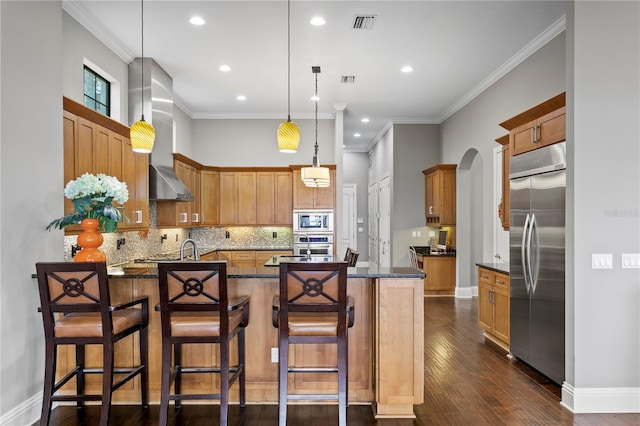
195,309
313,307
77,310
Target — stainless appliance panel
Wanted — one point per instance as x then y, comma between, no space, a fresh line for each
312,221
537,261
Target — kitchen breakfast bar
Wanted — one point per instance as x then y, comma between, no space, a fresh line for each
386,356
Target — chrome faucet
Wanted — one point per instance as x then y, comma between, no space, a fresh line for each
195,249
308,243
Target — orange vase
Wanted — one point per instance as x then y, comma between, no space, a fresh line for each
90,239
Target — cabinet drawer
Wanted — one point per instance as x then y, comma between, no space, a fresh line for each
486,276
243,256
501,280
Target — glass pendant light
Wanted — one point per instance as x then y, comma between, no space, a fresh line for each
142,133
288,134
315,176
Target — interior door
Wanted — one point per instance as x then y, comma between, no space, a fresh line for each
349,220
373,224
384,207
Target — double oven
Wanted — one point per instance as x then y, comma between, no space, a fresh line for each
313,233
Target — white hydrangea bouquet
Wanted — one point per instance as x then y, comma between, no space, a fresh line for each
92,196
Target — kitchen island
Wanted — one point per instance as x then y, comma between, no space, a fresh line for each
386,366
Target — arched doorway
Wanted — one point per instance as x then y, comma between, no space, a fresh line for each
469,228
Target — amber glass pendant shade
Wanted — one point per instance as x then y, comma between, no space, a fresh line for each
142,136
288,137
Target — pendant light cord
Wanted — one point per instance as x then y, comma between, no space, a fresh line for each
289,60
142,61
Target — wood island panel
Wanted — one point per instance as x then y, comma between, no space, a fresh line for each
385,361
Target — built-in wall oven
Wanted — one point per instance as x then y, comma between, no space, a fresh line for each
312,244
312,221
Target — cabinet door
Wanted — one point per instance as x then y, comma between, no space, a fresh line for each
501,313
284,198
225,255
441,273
324,198
70,135
135,171
303,196
485,307
183,209
228,198
209,196
247,198
265,198
552,127
506,156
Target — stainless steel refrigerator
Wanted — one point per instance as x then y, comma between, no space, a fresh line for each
537,259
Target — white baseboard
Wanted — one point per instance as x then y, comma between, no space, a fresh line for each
466,292
24,414
601,400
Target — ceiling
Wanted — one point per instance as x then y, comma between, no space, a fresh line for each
456,49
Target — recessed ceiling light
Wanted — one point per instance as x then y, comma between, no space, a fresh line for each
407,68
241,97
196,20
344,146
317,21
356,135
224,68
365,120
315,98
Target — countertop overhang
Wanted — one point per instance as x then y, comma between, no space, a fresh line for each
502,267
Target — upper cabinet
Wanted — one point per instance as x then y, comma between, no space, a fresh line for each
210,196
539,126
237,197
313,198
182,213
504,203
94,143
440,195
274,197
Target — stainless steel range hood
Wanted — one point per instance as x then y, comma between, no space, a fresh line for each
158,110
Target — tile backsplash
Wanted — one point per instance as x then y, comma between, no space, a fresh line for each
139,244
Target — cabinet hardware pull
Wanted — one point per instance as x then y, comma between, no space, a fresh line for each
430,209
538,133
534,136
195,217
138,216
184,218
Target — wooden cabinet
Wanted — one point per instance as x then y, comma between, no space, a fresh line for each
440,195
237,198
440,276
505,202
249,258
94,143
274,198
542,125
313,198
209,197
493,305
262,256
182,213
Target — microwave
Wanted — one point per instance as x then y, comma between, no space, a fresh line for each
313,221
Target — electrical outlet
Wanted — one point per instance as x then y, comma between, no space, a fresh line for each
274,354
413,234
602,261
630,260
419,233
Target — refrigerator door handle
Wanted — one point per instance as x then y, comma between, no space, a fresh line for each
523,253
533,271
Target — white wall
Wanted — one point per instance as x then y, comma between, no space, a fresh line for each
80,44
240,143
31,181
416,147
603,322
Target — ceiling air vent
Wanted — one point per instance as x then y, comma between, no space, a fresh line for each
363,22
348,79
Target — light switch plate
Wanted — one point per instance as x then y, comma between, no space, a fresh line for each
602,261
630,260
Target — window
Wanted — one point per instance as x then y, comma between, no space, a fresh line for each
96,92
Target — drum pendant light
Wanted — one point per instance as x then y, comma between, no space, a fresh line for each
142,134
315,176
288,134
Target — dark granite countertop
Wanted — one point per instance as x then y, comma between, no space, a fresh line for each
502,267
425,251
150,270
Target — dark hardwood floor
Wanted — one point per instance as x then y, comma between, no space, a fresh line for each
467,382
